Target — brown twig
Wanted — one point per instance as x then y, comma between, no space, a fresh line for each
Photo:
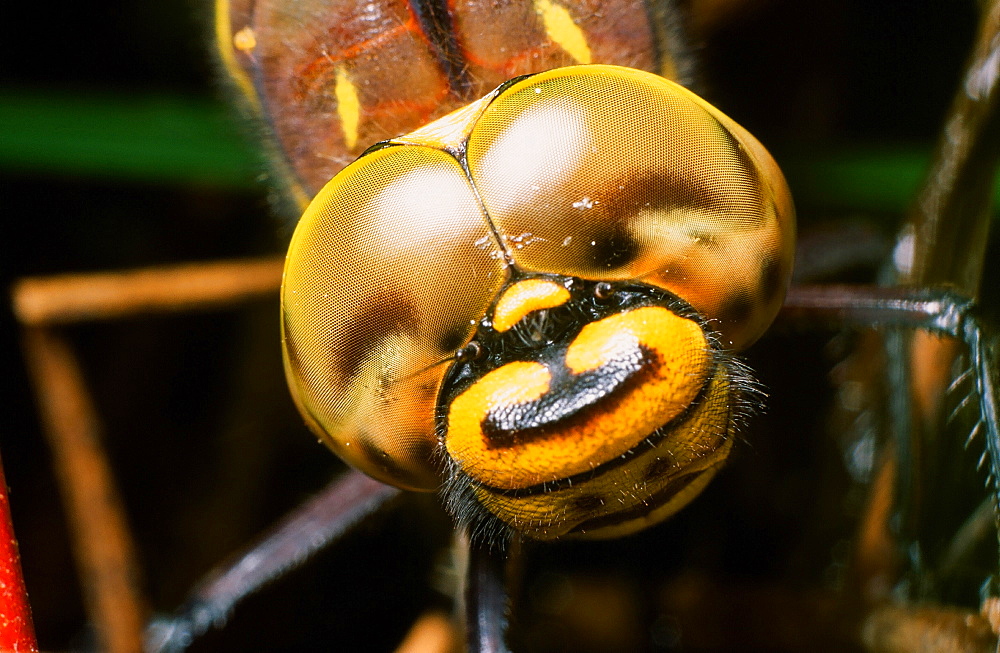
102,543
79,297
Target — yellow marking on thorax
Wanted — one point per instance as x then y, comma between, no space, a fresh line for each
560,28
245,40
223,39
348,107
525,297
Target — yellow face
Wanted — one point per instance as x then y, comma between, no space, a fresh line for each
532,300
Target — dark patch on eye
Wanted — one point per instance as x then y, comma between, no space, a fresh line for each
420,448
380,459
427,390
385,314
737,308
614,251
453,338
366,445
714,189
664,190
771,278
586,504
658,468
291,348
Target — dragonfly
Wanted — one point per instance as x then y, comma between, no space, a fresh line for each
829,300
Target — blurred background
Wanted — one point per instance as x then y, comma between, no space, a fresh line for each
117,150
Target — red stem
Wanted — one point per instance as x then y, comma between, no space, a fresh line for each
17,633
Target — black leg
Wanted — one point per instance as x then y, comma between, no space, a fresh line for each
313,526
939,311
487,606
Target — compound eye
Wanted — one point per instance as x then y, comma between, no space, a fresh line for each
619,175
383,280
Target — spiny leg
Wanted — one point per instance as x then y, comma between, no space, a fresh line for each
942,244
937,311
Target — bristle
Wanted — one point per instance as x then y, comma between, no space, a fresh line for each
975,431
962,405
958,380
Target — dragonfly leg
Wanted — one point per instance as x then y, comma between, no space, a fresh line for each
487,606
314,525
938,311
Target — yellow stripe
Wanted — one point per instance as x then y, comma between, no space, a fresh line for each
245,40
224,43
560,27
348,107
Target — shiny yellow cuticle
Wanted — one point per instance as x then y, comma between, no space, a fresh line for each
523,298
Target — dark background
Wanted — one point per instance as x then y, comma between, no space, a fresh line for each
204,442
